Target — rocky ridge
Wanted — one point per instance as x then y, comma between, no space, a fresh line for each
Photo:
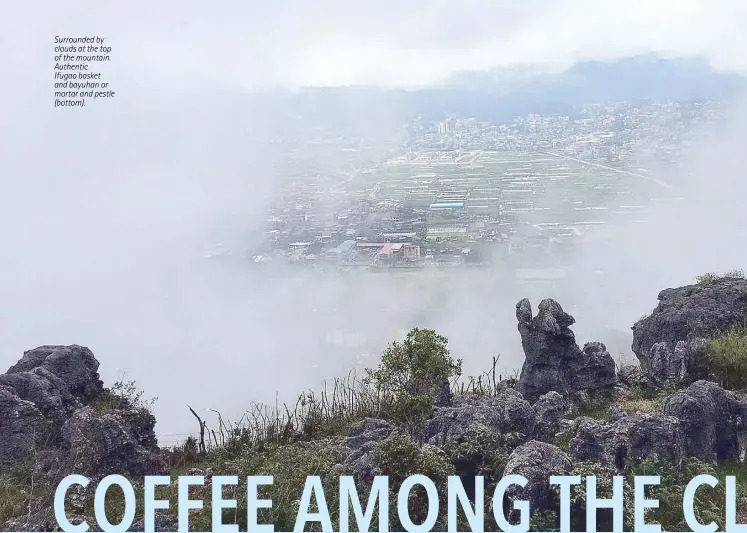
53,403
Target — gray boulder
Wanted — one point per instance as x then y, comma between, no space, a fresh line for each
74,365
39,393
554,362
44,409
23,428
504,413
47,392
633,376
687,315
596,369
712,420
627,438
549,410
536,461
103,444
681,365
56,379
368,430
356,451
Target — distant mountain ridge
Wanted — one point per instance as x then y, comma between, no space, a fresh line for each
501,95
646,77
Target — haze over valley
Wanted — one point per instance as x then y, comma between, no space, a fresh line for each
192,235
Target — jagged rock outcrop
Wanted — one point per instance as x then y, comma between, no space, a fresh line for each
633,437
56,379
22,428
536,461
671,342
47,409
712,421
554,362
357,449
681,365
549,411
103,444
508,412
74,365
633,376
596,370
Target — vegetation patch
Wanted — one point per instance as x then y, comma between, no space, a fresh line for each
728,358
411,373
710,277
597,407
123,395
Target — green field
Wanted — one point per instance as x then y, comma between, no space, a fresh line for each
539,187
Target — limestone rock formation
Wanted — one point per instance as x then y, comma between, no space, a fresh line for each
712,420
22,427
549,411
536,461
633,376
56,379
554,362
505,413
103,444
670,342
357,449
680,365
633,437
46,408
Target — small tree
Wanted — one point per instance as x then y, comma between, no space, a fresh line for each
412,371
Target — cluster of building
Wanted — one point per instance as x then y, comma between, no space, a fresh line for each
634,133
363,253
464,192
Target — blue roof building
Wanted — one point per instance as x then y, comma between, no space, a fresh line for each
448,205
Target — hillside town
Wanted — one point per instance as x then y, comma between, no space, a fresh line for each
467,193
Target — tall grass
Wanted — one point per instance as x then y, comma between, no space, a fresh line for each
710,277
728,358
325,413
330,411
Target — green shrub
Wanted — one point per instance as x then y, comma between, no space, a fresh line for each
483,449
123,395
710,277
544,520
728,358
604,475
705,279
708,503
411,371
290,465
399,457
596,407
23,491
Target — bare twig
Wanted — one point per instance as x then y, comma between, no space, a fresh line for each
202,430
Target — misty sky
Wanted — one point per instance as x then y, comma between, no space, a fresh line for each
106,211
331,42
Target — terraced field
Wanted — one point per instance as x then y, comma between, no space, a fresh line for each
540,188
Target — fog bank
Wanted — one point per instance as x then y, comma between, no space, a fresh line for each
105,218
